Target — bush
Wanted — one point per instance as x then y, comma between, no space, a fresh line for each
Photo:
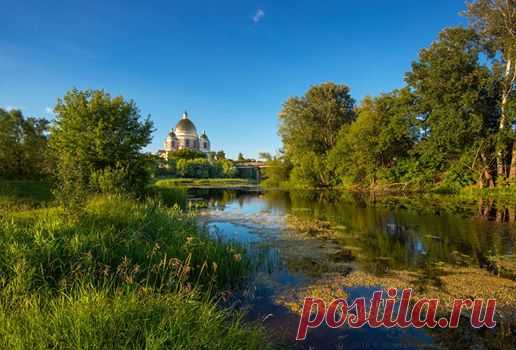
229,170
97,142
204,169
23,146
187,154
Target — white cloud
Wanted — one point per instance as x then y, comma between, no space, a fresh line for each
49,110
258,16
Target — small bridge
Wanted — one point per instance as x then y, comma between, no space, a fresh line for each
251,170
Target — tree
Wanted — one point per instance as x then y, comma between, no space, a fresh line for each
265,156
97,141
455,99
495,23
187,153
277,172
220,155
23,146
195,168
309,126
383,134
241,158
228,168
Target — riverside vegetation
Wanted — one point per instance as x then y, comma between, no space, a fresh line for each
128,274
92,255
449,128
96,257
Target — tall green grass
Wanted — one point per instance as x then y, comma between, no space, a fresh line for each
169,195
98,319
128,274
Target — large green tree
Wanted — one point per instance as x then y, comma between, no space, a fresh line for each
309,126
97,141
456,102
23,146
494,21
383,134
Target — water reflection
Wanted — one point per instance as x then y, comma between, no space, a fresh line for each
336,245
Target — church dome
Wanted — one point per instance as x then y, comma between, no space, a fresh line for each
185,126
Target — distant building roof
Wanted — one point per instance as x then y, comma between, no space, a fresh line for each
185,125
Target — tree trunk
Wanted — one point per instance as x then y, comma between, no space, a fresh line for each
489,178
509,78
512,173
511,214
486,173
500,171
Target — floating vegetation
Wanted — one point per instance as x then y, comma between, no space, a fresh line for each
325,288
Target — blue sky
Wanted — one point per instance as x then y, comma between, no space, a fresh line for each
231,64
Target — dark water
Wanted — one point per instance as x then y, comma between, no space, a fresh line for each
341,245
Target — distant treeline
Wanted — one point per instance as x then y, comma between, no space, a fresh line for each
452,125
196,164
95,145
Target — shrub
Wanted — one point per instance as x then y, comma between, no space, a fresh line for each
187,154
97,142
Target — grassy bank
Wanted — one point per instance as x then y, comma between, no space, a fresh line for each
127,274
200,183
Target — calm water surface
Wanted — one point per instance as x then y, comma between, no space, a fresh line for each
342,245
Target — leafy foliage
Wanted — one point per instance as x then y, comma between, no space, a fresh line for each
186,153
23,146
455,97
383,134
450,127
309,126
97,142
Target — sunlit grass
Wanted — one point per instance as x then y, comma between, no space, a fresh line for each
124,274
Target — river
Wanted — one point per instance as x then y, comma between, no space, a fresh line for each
343,245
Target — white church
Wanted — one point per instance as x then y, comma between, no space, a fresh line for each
185,136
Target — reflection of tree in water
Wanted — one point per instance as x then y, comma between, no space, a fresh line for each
213,197
439,247
391,235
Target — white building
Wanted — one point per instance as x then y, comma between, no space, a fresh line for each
185,136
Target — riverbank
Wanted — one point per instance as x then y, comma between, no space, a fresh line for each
205,183
125,274
335,245
505,194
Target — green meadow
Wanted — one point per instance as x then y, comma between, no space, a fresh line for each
124,274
